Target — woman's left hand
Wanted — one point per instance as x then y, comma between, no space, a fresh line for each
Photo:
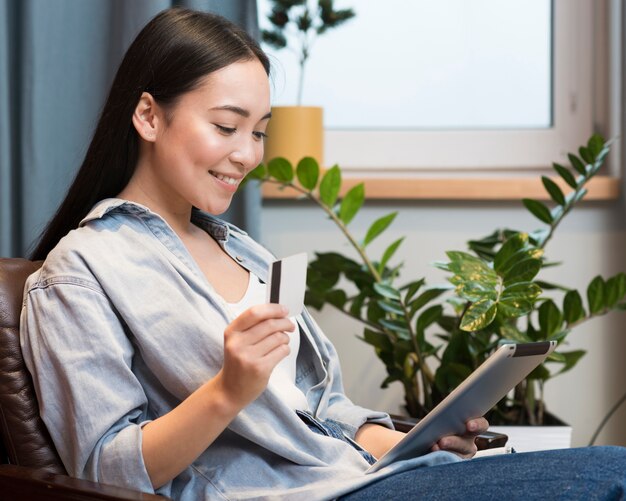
463,445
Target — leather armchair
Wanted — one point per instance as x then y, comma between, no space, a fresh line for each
30,467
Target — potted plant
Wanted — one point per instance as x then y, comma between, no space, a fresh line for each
431,337
298,131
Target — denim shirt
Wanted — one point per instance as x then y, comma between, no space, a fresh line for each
120,325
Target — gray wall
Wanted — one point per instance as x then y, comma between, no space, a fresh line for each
590,241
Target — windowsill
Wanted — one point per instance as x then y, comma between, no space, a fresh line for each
490,188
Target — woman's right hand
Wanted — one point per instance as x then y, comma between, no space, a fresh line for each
254,343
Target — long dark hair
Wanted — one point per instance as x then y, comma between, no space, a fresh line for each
169,57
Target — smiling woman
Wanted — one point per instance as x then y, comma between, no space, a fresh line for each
156,360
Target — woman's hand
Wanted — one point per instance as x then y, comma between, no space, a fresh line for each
463,445
254,343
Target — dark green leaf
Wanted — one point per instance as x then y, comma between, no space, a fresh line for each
524,271
539,210
351,203
280,169
378,227
596,295
615,289
308,172
550,286
555,192
479,315
257,173
337,298
377,339
571,359
510,247
573,310
425,297
586,155
389,252
567,176
595,145
330,186
550,318
428,317
578,165
411,288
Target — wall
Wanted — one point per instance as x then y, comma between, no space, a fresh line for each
590,241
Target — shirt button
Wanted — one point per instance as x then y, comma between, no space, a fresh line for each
239,258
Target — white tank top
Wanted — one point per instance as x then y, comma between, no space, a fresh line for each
283,378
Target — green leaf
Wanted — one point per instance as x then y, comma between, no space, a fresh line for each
551,286
514,307
510,247
378,227
396,326
427,317
280,169
528,291
586,155
555,192
524,271
411,288
330,186
577,164
389,252
567,176
573,310
571,359
595,145
615,289
351,203
540,372
479,315
391,307
425,297
387,291
337,298
539,210
596,295
308,172
257,173
518,257
377,339
550,318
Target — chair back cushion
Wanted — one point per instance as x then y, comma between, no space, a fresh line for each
24,435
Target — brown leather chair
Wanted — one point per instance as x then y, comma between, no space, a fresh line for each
30,467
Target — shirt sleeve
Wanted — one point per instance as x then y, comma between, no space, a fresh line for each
80,359
338,406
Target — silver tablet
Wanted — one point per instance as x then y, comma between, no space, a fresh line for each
473,398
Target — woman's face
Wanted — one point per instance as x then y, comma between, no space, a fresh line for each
212,139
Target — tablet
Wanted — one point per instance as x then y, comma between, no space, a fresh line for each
473,398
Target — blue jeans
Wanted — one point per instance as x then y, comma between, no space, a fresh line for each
591,473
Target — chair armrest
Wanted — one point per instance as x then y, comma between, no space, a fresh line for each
487,440
20,482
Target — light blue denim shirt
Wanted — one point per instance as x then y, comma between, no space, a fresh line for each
119,326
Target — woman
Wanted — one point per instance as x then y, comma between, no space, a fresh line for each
156,361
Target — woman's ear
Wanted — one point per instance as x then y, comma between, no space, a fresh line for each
145,117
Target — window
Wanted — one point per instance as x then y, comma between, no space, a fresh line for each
441,88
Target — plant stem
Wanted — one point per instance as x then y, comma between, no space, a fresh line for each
606,419
339,223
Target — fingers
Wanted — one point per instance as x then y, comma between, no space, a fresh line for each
257,314
477,426
463,445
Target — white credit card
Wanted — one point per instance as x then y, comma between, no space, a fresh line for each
286,282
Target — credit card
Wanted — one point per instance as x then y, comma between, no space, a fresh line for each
287,282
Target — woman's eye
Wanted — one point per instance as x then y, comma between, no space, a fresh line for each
259,135
226,130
